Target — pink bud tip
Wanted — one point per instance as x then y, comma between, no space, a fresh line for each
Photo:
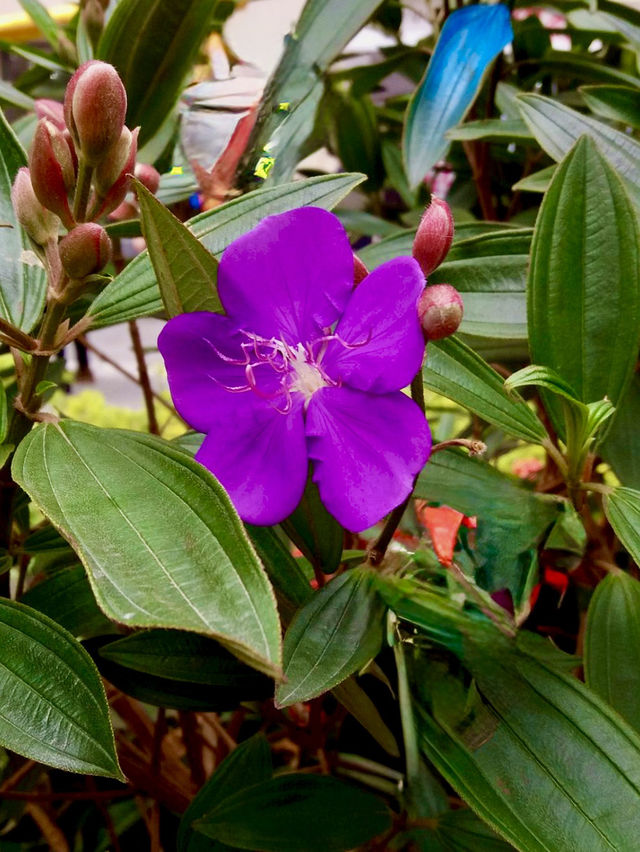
148,176
95,105
85,250
440,311
360,271
52,170
41,225
434,236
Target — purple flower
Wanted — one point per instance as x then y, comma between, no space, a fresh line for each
304,367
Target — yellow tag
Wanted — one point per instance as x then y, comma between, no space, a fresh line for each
264,166
285,106
176,170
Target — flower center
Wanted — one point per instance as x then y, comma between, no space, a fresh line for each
305,374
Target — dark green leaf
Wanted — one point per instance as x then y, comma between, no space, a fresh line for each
185,271
584,281
317,533
296,813
54,708
622,508
623,454
457,372
247,765
537,182
334,635
153,44
357,702
618,103
163,546
134,293
22,284
492,130
283,569
612,645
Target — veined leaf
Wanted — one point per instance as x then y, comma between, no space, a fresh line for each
334,635
622,508
54,707
584,280
618,103
622,454
537,182
457,372
159,538
23,281
134,292
471,38
491,130
612,645
185,271
153,44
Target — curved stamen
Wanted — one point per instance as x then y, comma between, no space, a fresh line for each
238,362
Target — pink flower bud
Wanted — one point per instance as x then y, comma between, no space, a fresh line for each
111,177
440,311
95,105
39,223
85,250
434,236
148,176
360,271
53,110
52,170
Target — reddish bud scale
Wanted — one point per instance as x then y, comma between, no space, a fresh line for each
148,176
112,176
360,271
440,311
95,105
39,223
85,250
434,236
52,170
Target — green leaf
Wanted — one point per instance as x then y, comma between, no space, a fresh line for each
160,540
623,454
612,645
4,419
537,182
296,813
457,372
154,44
15,97
134,292
622,508
283,569
54,707
23,280
334,635
186,272
492,130
317,533
542,377
247,765
584,280
319,35
618,103
43,20
511,518
354,699
557,128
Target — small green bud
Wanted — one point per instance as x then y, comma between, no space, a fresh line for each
40,224
95,105
434,236
52,170
85,250
440,311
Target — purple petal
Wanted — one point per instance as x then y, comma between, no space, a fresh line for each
289,276
194,347
259,456
367,451
381,329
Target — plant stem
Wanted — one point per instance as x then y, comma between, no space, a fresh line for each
143,375
83,188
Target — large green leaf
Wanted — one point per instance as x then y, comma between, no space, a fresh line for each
457,372
584,280
317,533
43,20
612,645
622,508
557,128
153,44
622,453
320,34
296,813
512,520
185,271
134,292
247,765
23,281
334,635
618,103
54,708
160,540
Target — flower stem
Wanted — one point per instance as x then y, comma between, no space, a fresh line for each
83,187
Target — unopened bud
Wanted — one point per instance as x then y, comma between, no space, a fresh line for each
52,170
41,224
111,177
360,271
95,105
434,236
440,311
148,176
93,19
53,110
85,250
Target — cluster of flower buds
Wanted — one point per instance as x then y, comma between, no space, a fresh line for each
79,166
440,306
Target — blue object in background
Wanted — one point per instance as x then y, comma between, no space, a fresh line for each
471,38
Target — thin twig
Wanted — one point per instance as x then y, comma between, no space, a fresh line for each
143,375
76,795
